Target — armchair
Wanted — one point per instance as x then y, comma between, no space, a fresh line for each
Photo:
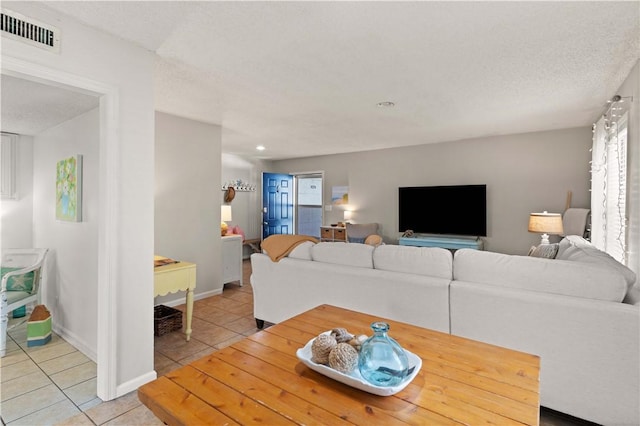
21,271
366,233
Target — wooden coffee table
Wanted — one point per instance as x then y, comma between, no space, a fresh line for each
260,380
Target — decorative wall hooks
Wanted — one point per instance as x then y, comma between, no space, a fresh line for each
229,195
239,185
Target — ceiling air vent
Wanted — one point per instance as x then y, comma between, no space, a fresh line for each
19,27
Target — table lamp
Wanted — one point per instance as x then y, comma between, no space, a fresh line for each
225,216
545,223
347,216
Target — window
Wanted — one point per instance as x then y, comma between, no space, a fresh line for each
609,181
8,149
309,204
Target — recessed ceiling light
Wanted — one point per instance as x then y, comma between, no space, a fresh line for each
386,104
260,148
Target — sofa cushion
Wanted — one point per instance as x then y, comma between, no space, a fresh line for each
431,261
572,241
302,251
374,240
236,230
577,249
23,282
530,273
359,255
547,251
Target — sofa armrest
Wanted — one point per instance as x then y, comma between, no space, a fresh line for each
589,349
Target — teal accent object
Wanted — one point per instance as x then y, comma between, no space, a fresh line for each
382,361
39,332
20,312
23,282
451,243
39,341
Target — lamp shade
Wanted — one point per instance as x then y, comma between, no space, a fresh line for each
347,214
225,213
545,223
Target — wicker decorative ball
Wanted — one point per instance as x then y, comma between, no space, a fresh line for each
343,358
357,341
321,347
341,334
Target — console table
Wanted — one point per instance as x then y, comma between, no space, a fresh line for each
173,277
451,243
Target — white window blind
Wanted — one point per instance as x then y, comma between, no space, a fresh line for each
609,181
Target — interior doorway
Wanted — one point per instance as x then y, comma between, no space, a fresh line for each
292,203
107,235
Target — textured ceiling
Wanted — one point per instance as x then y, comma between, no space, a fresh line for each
304,78
28,107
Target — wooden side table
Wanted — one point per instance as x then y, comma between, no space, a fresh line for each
176,277
333,233
254,244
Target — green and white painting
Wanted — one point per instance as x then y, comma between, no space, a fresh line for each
69,189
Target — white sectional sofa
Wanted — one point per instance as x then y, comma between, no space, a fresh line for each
568,310
343,274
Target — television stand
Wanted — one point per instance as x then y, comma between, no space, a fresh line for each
451,243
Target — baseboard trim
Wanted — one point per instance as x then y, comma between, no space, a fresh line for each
134,384
76,342
203,295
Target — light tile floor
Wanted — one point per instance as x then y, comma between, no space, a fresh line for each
56,384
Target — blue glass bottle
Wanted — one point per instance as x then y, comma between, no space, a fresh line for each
382,361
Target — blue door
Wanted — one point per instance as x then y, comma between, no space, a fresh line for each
277,204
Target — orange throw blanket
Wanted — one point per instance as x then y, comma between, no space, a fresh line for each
280,245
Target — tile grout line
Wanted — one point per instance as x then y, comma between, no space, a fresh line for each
213,348
51,381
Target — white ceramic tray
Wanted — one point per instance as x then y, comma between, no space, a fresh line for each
354,379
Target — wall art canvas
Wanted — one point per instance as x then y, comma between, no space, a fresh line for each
69,189
339,195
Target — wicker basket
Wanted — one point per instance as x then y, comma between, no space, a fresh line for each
166,320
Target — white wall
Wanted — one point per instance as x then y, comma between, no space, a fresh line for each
71,285
17,215
90,58
524,173
187,190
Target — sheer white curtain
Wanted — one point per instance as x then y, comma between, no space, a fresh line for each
609,181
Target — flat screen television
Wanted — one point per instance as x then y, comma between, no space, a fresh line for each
447,210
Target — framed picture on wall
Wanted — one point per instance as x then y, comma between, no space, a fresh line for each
69,189
339,195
